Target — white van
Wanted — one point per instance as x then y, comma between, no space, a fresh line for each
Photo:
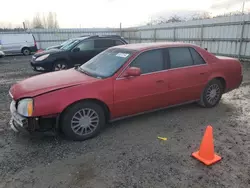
24,43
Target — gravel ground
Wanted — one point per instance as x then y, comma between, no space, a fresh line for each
128,153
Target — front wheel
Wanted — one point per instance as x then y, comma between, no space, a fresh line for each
212,94
82,121
60,65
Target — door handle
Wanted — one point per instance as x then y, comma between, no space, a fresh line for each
202,73
160,81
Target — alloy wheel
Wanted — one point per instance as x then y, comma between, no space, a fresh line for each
213,94
84,121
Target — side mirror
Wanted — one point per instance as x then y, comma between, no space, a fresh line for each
76,50
132,71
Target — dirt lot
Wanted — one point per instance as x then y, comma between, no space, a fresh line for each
128,153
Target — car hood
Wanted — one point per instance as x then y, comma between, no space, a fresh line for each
50,51
49,82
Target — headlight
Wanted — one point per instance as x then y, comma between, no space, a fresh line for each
25,107
42,57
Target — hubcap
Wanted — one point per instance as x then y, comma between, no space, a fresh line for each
60,66
26,52
84,121
213,94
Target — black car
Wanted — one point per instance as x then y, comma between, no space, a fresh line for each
77,52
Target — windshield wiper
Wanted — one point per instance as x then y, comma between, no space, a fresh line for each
88,73
83,71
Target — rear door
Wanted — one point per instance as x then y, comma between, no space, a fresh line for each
188,74
145,92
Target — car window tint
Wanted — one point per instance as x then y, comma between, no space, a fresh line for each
180,57
86,45
118,42
198,60
150,61
104,43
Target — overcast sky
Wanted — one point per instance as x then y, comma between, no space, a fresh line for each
109,13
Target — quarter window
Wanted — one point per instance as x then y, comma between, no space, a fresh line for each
104,43
150,61
118,42
198,60
180,57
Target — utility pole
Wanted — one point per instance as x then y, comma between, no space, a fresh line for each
24,26
120,29
243,7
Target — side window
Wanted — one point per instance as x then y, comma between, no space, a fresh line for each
104,43
86,45
150,61
118,42
180,57
198,60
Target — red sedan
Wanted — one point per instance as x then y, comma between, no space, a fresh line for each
122,81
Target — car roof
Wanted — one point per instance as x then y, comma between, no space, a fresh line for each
99,37
155,45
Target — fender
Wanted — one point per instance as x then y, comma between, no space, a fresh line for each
55,102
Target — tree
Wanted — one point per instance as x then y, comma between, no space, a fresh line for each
162,20
201,16
52,20
37,22
46,21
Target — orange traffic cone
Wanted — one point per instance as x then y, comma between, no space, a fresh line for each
206,153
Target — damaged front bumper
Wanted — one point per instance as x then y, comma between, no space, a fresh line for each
19,123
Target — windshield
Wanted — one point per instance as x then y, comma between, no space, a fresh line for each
69,45
106,63
67,42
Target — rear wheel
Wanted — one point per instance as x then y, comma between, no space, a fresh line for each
60,65
26,51
212,94
83,120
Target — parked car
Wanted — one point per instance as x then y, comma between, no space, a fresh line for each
75,53
122,81
18,43
2,54
61,45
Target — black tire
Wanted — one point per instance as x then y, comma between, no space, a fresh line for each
60,65
206,100
68,117
26,51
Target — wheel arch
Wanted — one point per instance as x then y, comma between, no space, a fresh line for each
223,82
24,47
94,100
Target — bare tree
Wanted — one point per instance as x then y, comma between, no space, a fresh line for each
52,20
162,20
37,21
175,18
45,21
201,16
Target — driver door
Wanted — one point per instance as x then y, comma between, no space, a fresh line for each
82,52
